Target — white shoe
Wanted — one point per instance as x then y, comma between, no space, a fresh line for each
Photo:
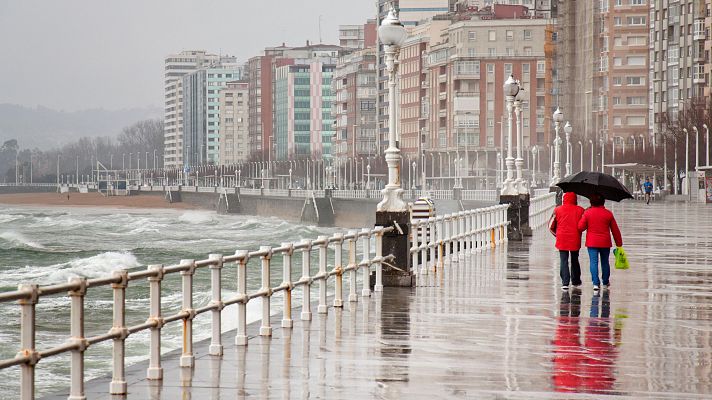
595,288
565,287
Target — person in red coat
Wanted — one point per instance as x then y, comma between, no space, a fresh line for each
600,223
568,240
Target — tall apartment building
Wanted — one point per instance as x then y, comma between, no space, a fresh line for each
261,76
622,80
411,13
304,125
234,113
201,105
465,76
354,107
175,66
679,35
358,36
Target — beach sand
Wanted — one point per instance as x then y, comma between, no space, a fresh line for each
90,200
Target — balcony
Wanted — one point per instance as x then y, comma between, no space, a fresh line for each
442,78
424,84
467,74
442,96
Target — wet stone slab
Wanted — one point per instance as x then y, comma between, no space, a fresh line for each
492,325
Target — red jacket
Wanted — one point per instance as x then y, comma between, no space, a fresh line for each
600,224
567,215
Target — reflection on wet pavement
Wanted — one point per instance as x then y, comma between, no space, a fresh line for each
494,325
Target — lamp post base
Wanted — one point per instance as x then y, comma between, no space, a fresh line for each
396,243
514,230
524,214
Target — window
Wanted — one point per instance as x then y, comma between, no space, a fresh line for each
637,41
617,42
637,2
540,67
492,35
525,69
617,121
472,36
617,21
635,101
636,60
616,101
636,121
617,81
472,52
510,35
490,105
507,69
618,3
492,52
490,68
527,34
527,51
509,51
635,80
617,61
638,20
490,122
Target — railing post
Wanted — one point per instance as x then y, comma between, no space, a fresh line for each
378,286
118,379
445,236
461,233
424,228
353,297
366,242
287,281
266,327
155,371
338,269
216,347
241,334
76,390
27,341
187,359
306,278
471,230
432,225
414,244
323,247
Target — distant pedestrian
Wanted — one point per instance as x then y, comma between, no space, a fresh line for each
648,188
568,240
600,223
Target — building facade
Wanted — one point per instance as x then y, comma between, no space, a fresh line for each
354,107
467,119
201,105
358,36
304,126
234,116
176,66
679,33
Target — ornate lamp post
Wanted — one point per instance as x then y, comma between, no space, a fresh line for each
535,166
558,119
392,210
568,129
581,158
593,151
511,89
519,162
697,147
707,141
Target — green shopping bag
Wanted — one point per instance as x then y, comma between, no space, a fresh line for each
621,259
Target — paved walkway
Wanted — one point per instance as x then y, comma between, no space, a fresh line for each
494,326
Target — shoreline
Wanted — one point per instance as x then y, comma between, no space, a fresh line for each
91,200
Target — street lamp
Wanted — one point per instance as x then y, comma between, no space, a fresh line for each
558,119
511,89
519,162
581,158
707,140
568,129
592,153
697,146
687,159
392,34
535,166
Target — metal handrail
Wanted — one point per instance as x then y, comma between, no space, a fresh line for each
29,295
540,208
455,234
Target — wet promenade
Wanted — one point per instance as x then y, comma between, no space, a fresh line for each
492,326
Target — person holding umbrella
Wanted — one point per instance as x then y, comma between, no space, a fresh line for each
597,219
600,223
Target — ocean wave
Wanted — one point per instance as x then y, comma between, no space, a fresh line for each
19,240
197,217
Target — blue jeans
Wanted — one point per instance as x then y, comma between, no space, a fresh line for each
593,253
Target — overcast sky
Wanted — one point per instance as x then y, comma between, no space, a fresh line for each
78,54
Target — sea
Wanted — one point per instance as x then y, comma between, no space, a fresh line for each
51,245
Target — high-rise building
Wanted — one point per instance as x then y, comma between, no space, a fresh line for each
621,81
466,106
177,65
304,126
358,36
234,112
679,64
354,107
261,75
201,110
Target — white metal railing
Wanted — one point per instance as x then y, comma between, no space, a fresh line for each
441,194
349,194
277,192
480,195
541,192
247,191
540,209
30,184
29,295
435,238
300,193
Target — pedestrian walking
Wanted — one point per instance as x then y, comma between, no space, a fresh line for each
648,188
568,239
599,223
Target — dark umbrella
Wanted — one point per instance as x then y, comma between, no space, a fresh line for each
587,183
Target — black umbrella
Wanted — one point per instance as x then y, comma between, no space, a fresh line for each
587,183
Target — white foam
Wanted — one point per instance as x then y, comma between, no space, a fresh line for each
19,239
197,217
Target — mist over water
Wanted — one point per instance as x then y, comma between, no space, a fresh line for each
46,246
